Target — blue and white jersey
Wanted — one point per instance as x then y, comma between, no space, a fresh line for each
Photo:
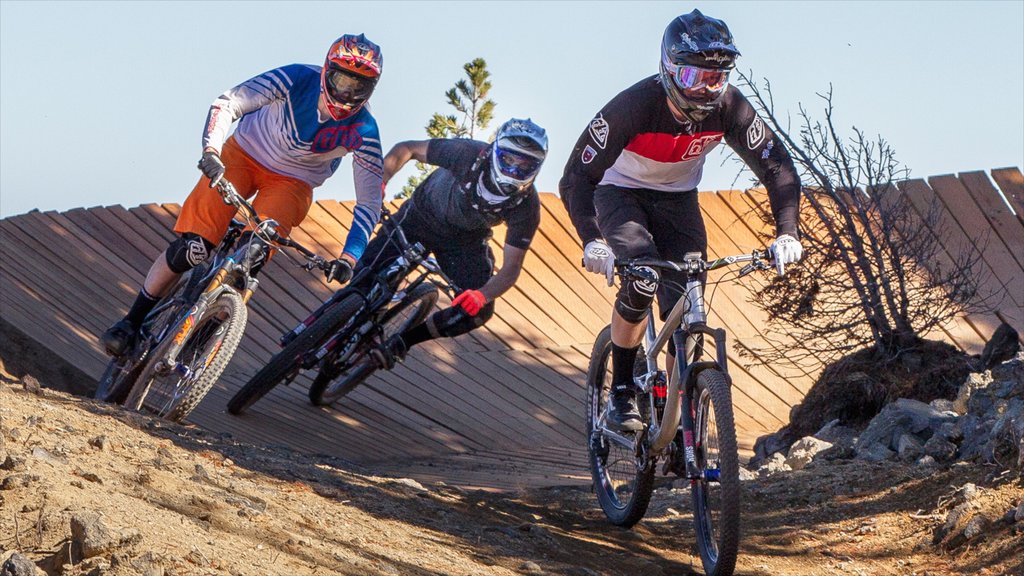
282,128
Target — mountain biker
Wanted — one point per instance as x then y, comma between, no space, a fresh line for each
630,185
295,124
476,187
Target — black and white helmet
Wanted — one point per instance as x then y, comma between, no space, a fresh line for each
516,155
697,54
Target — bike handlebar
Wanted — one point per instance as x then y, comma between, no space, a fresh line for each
693,264
269,227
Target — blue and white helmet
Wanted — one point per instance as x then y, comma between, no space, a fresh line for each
517,153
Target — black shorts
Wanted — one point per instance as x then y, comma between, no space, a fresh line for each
468,260
640,223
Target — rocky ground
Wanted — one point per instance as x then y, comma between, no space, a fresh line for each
86,488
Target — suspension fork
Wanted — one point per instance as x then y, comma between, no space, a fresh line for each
689,345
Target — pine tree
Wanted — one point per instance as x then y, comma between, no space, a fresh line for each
475,112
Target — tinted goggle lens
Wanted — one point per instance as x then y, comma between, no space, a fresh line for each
348,88
516,165
693,78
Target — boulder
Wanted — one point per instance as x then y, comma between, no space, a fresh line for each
803,451
909,448
1003,346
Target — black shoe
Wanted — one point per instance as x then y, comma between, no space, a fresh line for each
118,338
391,353
623,415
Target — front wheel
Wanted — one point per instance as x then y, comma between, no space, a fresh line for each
328,387
622,480
286,362
716,494
173,387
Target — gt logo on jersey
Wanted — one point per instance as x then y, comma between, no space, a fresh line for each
599,131
698,145
755,134
588,155
330,137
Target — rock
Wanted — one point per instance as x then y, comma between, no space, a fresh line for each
13,463
909,448
46,456
974,381
975,527
767,445
3,449
1018,514
15,481
1003,346
926,461
100,443
804,450
90,535
747,475
410,483
13,563
775,464
530,568
876,452
942,405
939,448
30,384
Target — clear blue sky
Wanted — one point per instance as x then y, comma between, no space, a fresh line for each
103,102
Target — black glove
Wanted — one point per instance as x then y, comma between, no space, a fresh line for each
340,271
212,167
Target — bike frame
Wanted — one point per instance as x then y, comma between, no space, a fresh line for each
686,325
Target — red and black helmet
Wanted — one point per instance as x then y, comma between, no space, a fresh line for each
350,74
697,54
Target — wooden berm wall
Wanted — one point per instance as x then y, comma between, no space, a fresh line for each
500,407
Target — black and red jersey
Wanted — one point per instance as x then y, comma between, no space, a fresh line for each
636,142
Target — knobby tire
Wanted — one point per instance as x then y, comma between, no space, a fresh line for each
284,362
641,485
717,538
217,348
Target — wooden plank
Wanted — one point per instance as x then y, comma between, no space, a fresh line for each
997,213
1011,182
974,226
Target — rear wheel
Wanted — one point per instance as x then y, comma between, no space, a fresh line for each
172,388
623,481
286,362
716,495
330,384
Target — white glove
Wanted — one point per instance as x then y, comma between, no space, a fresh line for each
599,259
786,250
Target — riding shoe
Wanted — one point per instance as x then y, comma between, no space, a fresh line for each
623,414
118,338
391,353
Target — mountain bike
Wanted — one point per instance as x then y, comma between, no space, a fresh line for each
344,338
688,416
189,337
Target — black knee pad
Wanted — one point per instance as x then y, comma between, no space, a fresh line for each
454,321
187,251
635,296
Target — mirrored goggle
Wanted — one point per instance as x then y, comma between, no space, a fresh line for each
693,78
348,88
516,164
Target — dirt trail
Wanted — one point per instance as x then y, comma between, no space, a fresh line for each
176,500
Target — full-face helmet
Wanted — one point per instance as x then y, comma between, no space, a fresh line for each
516,155
697,54
350,74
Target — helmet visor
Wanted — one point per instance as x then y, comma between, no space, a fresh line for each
516,165
692,78
344,87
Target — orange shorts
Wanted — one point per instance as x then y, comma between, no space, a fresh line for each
285,199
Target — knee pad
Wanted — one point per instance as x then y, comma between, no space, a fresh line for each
635,296
187,251
454,321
